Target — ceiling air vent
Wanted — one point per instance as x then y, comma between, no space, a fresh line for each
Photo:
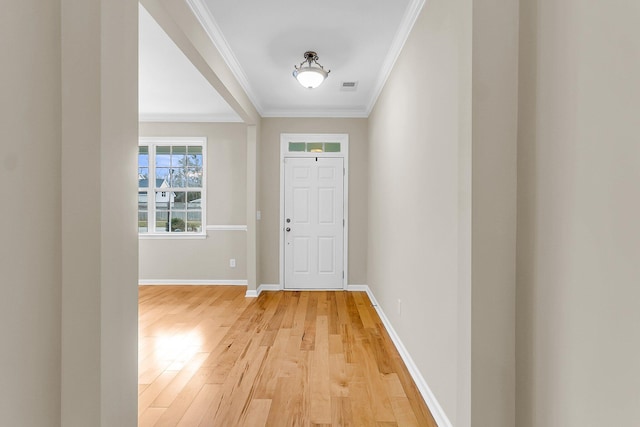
350,86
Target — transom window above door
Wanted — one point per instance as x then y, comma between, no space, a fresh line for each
314,147
171,187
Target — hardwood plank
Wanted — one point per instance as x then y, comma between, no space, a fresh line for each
154,389
319,375
287,406
338,375
309,335
141,388
186,398
275,365
236,393
332,313
403,412
182,378
209,356
150,416
301,313
292,306
379,350
341,412
195,414
323,304
363,304
381,404
394,386
257,413
335,342
361,410
274,324
355,321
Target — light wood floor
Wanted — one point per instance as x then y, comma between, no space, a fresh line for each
211,357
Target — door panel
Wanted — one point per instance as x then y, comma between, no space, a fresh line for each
314,214
326,206
301,255
326,255
301,206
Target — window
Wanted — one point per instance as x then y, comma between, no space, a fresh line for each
314,147
172,171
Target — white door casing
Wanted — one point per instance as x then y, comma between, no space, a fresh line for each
314,222
314,194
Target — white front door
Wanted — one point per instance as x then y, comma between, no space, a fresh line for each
313,222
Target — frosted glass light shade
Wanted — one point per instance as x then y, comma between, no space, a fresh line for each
310,77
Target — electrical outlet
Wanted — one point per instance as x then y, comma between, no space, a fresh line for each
232,263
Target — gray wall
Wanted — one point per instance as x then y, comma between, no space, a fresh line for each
69,310
418,144
30,170
99,245
68,260
578,293
269,190
206,259
494,182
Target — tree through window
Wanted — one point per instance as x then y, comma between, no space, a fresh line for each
173,172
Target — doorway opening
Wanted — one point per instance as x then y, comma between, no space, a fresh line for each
314,183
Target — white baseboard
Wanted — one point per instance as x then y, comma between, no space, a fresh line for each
434,406
357,288
262,287
192,282
267,287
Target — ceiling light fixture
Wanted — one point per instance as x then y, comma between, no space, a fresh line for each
313,74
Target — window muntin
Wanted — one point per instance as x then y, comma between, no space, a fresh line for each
314,147
177,204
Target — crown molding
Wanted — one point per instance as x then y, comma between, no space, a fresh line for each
346,114
208,22
190,118
408,20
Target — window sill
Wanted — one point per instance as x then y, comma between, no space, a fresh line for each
174,236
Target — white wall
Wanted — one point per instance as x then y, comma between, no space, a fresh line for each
30,270
206,259
578,346
418,138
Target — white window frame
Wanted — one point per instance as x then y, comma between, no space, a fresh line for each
152,142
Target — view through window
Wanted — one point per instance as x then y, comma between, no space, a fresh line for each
172,172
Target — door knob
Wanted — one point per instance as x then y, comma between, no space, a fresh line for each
288,229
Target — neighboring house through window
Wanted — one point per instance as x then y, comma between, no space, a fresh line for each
172,171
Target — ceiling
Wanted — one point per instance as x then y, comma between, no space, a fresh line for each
261,41
170,88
